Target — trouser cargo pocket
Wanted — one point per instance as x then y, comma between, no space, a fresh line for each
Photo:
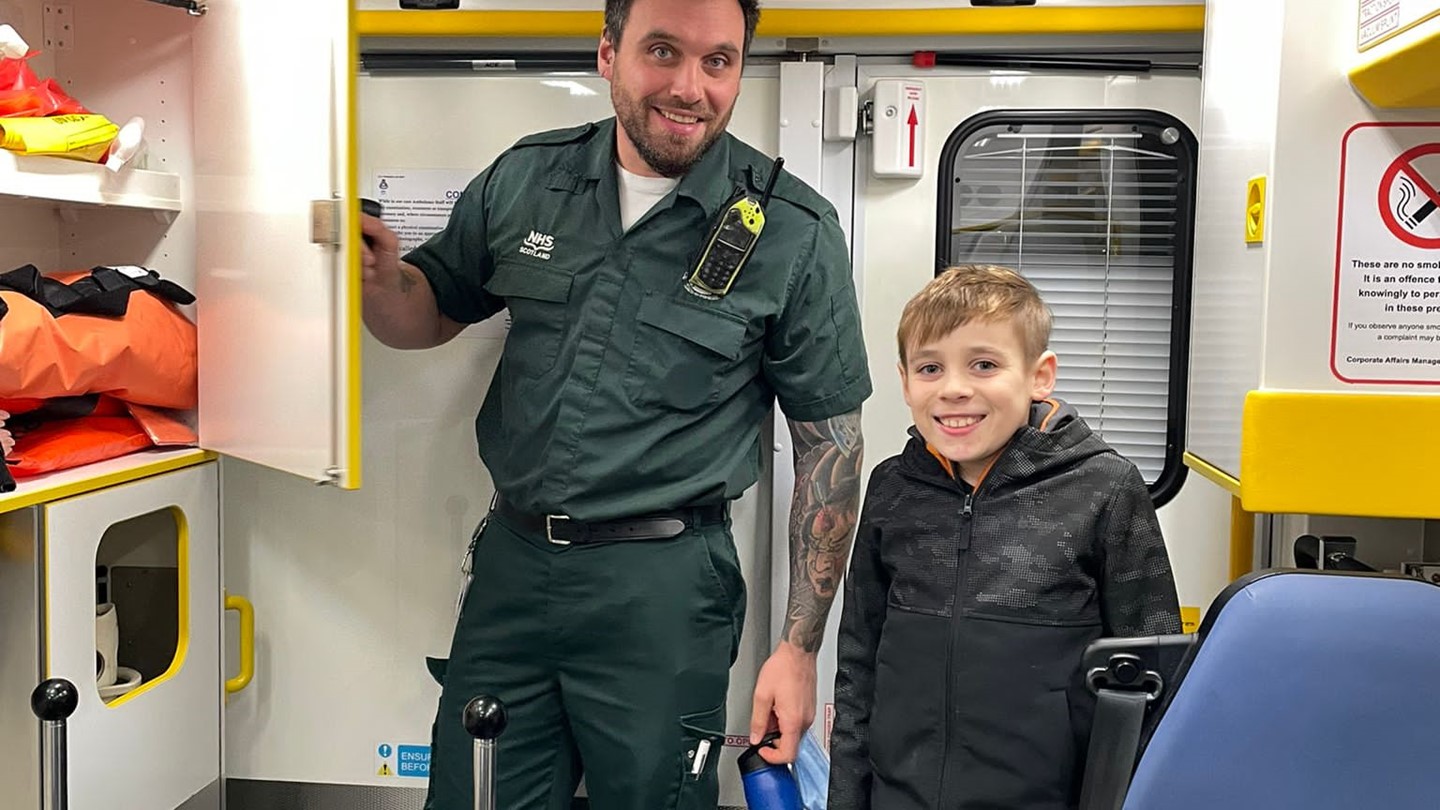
702,737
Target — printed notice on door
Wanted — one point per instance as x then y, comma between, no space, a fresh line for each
1386,326
417,204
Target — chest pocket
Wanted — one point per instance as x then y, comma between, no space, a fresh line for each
924,561
538,300
683,354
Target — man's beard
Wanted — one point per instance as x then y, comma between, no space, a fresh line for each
667,156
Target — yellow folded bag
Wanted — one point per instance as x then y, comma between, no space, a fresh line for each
81,137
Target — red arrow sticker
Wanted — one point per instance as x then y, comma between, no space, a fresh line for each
912,122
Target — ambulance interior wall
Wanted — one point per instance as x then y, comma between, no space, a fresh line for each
1316,108
120,60
353,589
1276,104
1237,138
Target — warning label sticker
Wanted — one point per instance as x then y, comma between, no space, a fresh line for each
402,760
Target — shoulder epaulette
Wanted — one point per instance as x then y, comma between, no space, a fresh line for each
555,137
790,189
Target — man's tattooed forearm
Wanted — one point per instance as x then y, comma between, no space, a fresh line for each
828,457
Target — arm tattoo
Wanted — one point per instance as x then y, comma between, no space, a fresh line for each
828,456
407,281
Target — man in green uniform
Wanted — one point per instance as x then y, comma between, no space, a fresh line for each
624,417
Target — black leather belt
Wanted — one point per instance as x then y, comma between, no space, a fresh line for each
562,531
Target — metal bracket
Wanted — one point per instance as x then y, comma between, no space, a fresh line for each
802,46
195,8
331,479
867,117
324,222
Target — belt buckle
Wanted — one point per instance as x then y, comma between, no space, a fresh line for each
550,529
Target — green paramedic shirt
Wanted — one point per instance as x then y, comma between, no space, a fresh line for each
618,392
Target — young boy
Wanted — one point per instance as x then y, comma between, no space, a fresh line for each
1003,540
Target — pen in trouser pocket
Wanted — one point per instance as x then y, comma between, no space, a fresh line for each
702,752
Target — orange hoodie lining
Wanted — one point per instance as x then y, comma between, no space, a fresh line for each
950,465
944,462
1054,409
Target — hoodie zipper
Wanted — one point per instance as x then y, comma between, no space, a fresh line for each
967,521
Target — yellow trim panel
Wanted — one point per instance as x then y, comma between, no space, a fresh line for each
796,22
1369,455
351,267
1215,475
35,491
1405,76
1242,540
182,642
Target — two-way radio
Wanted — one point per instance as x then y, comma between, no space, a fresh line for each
730,242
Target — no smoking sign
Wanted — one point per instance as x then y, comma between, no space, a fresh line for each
1386,312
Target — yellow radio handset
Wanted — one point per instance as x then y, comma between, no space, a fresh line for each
730,242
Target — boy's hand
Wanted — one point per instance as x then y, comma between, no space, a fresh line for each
784,700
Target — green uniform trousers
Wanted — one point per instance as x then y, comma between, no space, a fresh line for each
612,661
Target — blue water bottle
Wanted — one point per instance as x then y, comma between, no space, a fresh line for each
767,787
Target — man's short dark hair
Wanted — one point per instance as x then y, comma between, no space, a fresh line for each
618,11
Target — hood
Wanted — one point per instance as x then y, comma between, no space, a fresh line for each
1056,438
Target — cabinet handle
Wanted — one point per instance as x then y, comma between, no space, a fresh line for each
247,642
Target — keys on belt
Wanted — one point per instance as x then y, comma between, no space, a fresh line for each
563,531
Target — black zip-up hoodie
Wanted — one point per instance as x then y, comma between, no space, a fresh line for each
966,614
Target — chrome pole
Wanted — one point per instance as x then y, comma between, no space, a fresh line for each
484,718
53,702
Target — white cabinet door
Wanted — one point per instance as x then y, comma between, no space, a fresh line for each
158,745
278,312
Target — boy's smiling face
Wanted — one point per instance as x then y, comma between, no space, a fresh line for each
970,390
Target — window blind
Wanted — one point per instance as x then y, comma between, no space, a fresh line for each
1096,216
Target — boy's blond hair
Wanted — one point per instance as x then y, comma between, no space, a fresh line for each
976,292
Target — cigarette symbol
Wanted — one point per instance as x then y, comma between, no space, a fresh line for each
1408,192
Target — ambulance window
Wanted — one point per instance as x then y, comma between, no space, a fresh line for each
1095,208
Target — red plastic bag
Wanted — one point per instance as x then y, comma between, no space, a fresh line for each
72,442
81,430
18,405
24,95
